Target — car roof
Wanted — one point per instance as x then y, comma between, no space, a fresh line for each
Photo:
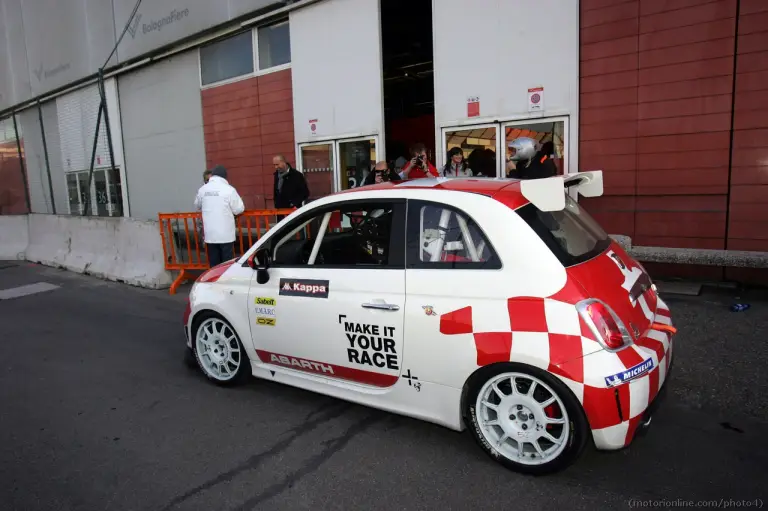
505,190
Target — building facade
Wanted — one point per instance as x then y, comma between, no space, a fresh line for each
668,97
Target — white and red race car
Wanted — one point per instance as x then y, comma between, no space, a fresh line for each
495,305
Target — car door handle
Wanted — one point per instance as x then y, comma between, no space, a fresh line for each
382,306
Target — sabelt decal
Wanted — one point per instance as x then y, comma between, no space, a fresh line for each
304,287
265,311
330,370
629,374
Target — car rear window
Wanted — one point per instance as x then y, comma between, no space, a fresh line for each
571,233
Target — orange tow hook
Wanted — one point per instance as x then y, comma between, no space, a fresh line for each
661,327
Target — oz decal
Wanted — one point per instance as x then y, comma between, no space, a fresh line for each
630,374
265,321
304,287
371,345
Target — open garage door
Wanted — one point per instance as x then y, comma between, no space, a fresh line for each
337,92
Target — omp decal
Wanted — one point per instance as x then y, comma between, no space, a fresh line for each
371,345
304,287
629,374
265,321
331,370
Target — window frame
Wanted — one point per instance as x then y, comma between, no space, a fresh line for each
396,241
257,61
413,240
254,56
226,80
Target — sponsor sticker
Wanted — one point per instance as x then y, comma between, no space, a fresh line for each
265,310
630,374
304,287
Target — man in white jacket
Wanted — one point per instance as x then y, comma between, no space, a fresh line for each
220,204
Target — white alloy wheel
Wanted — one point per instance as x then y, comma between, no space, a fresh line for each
522,418
218,350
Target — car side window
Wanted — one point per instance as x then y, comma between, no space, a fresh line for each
350,235
442,236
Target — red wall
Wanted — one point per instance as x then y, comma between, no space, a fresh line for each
246,123
12,197
656,114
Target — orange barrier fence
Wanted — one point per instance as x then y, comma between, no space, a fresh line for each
183,239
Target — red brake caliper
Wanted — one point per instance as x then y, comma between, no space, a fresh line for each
551,412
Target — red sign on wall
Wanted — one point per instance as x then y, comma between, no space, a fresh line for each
473,106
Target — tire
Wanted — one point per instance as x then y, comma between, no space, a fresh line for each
222,349
519,418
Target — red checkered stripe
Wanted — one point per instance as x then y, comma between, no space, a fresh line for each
549,334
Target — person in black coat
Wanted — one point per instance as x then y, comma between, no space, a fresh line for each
290,190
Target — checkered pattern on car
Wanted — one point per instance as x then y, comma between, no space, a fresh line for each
549,334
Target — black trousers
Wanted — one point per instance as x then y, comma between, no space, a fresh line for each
220,252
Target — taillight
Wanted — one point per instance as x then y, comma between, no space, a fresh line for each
605,324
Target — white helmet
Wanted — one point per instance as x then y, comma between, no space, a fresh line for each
525,149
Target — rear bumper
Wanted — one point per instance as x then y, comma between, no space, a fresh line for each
631,420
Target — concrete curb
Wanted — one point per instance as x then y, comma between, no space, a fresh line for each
705,257
118,249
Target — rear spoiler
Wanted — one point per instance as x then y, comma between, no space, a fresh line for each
547,194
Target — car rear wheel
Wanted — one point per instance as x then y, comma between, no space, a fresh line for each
219,352
526,419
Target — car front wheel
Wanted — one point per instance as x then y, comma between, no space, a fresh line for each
526,419
219,352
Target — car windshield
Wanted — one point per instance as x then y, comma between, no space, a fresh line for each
571,233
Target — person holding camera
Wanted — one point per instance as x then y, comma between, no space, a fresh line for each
419,166
381,173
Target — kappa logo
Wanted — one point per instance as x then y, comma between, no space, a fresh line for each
299,287
630,374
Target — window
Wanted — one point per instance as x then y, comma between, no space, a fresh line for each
274,45
106,193
355,235
227,59
571,234
440,236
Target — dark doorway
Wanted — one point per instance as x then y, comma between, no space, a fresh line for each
409,91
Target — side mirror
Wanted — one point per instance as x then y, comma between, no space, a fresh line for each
264,260
261,260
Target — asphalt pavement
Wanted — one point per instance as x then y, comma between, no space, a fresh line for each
99,412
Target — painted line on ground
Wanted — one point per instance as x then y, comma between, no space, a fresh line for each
29,289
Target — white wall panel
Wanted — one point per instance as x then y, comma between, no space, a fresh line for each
504,47
336,69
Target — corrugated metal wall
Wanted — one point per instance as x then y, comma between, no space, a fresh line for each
683,167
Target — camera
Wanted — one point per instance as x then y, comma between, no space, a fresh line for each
419,160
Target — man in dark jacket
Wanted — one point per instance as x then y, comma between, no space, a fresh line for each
290,185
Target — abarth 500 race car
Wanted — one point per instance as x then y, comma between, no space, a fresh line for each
494,305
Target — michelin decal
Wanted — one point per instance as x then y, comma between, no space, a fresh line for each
630,374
